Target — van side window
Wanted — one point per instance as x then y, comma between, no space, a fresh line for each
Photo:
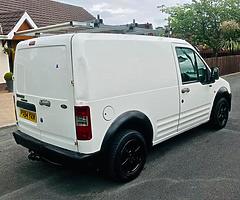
187,64
202,69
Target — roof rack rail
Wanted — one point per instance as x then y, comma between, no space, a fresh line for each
58,28
86,27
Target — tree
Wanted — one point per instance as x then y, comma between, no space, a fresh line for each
200,22
231,34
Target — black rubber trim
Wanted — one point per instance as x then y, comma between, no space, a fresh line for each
230,106
26,106
20,96
223,92
47,150
129,120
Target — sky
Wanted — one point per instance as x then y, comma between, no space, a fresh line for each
115,12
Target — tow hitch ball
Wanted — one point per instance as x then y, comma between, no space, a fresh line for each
33,156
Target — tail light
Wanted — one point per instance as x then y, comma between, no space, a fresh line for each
83,123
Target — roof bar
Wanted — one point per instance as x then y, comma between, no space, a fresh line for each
58,27
120,29
85,27
106,29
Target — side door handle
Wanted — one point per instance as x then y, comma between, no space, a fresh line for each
185,90
44,102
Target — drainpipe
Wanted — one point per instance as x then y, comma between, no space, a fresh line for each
2,37
1,33
1,30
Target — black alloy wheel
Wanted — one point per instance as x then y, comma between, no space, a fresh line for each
131,156
220,113
127,155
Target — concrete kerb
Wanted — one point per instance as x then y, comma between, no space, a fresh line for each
8,126
233,74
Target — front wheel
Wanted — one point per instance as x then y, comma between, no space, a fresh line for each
127,155
220,113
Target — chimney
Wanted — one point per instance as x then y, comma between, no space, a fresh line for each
134,21
100,20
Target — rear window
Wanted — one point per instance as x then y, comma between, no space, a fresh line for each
43,71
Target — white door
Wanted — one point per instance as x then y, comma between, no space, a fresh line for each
195,93
43,81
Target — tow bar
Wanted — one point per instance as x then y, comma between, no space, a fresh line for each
33,156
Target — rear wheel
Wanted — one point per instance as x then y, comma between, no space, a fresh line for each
219,115
127,156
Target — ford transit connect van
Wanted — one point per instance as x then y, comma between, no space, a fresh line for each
114,96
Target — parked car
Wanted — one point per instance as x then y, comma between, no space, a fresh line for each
113,96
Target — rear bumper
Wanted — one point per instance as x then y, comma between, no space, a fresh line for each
47,150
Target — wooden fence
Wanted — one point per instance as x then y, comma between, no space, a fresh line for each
226,64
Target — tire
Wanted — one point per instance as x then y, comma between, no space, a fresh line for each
220,113
127,156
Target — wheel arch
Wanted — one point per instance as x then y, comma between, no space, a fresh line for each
223,92
134,120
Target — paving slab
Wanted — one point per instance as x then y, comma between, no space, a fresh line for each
7,113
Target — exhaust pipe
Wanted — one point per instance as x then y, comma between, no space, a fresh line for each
33,156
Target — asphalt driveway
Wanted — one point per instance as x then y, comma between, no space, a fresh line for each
200,164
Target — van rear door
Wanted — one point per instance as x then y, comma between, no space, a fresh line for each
44,93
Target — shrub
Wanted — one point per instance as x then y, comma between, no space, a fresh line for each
8,76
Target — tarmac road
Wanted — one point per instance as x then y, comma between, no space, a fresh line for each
200,164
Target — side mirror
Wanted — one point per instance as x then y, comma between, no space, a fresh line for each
214,74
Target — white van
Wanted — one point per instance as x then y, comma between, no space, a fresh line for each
111,95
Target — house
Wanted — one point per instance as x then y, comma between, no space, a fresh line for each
21,15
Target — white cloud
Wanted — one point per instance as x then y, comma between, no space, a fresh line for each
99,7
106,7
124,11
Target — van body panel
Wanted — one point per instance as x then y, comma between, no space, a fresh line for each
89,51
103,82
43,73
134,102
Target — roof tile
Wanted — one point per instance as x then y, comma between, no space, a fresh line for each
9,19
43,12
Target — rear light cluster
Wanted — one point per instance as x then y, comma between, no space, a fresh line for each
83,123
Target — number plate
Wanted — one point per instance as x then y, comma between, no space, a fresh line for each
28,115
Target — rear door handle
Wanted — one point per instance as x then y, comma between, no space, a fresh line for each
185,90
44,102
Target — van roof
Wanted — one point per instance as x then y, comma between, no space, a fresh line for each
109,36
103,36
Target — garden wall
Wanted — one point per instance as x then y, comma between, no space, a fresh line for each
226,64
